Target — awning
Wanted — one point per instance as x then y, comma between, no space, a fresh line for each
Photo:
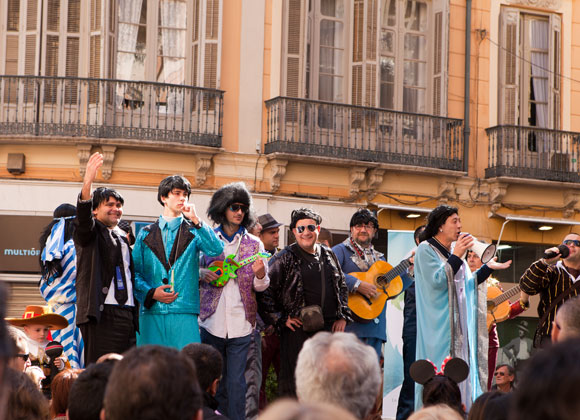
534,219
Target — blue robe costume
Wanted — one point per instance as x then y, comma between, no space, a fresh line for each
167,252
450,316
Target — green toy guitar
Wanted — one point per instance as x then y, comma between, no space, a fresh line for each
227,268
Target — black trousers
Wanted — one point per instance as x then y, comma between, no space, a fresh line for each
114,333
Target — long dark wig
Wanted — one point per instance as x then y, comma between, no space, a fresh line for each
50,268
235,192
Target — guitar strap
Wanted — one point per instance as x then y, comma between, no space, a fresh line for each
555,302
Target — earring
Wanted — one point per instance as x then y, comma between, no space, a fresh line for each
440,230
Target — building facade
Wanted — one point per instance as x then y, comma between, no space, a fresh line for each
333,104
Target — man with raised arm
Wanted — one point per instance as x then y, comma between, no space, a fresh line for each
107,312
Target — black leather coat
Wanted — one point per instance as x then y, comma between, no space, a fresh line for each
285,296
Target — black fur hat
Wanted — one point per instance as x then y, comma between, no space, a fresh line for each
235,192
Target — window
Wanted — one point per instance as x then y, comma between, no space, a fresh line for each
152,43
403,55
376,53
529,67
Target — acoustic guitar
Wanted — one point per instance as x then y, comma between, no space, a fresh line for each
498,305
388,283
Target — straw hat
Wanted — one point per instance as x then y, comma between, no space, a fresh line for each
39,315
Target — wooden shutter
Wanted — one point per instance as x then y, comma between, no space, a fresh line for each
195,41
555,59
210,54
509,67
357,52
293,58
364,53
11,67
95,49
437,63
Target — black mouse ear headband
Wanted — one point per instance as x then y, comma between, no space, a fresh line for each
454,368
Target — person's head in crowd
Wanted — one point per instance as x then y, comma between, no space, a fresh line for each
338,369
37,321
505,376
107,206
256,227
443,390
417,234
437,222
208,364
567,321
60,388
363,226
151,383
36,375
436,412
305,225
473,261
125,226
20,361
270,234
492,405
115,357
23,398
85,398
7,348
287,409
325,237
548,386
232,205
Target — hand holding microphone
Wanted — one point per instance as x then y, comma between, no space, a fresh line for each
551,255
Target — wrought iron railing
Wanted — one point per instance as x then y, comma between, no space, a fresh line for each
104,108
307,127
531,152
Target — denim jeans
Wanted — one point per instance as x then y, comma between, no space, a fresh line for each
231,394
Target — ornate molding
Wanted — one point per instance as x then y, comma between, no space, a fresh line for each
570,201
83,152
497,192
446,191
356,175
374,181
277,171
546,4
108,158
202,165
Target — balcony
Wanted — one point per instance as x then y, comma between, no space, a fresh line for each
533,153
332,130
131,112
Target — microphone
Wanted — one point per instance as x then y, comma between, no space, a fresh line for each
564,252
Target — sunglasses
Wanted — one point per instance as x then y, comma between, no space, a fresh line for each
574,242
499,373
23,357
301,229
237,207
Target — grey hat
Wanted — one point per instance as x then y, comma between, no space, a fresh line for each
268,222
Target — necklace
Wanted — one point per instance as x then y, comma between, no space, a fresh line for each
172,281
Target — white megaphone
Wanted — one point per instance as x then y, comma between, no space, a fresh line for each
484,251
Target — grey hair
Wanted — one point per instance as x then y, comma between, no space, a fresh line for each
569,314
338,369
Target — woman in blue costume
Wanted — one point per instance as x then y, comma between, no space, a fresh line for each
450,310
59,272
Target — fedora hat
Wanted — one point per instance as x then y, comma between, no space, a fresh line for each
523,326
39,315
268,222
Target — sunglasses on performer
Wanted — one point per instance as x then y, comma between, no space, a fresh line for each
499,373
237,207
574,242
301,229
23,357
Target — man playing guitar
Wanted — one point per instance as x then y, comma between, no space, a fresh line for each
355,254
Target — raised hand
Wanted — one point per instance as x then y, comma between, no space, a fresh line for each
494,265
93,165
258,268
464,242
189,212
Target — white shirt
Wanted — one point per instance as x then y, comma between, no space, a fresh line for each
229,319
110,299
